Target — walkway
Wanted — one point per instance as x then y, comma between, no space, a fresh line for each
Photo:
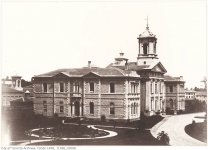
175,127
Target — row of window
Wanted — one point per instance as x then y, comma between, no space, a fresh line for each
61,107
157,105
76,87
157,88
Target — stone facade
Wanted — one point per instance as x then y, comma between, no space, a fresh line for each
115,96
175,93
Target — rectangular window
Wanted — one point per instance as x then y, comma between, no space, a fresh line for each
76,88
155,87
152,103
45,87
161,88
92,87
61,109
44,106
171,88
112,88
134,87
61,87
112,108
152,90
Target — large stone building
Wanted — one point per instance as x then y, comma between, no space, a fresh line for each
151,72
175,93
120,91
92,92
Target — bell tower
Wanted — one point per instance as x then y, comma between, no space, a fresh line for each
147,47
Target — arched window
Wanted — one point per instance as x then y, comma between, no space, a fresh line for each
112,108
44,106
91,108
145,48
44,87
61,106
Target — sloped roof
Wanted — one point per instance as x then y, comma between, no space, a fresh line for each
80,72
6,89
147,33
169,78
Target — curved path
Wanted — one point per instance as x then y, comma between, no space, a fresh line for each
175,127
110,134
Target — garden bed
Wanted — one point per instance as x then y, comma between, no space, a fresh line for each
197,131
69,131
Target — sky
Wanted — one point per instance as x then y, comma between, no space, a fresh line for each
39,36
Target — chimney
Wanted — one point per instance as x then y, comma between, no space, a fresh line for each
89,64
121,54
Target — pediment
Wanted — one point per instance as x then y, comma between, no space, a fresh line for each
61,75
159,68
91,75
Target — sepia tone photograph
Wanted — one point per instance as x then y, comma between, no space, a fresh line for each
103,73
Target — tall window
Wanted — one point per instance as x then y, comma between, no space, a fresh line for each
18,83
61,87
45,87
161,88
136,108
112,108
155,87
152,90
44,106
61,106
92,87
152,103
145,49
91,108
134,87
76,87
171,88
132,108
112,87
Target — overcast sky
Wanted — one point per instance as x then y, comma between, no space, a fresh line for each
41,35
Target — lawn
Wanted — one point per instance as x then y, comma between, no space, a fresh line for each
17,128
197,131
124,137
